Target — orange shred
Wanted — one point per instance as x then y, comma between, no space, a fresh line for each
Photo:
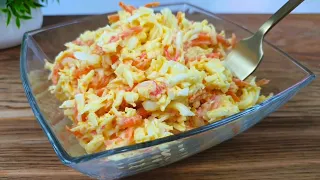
142,64
202,39
55,73
217,102
113,18
213,55
143,113
131,121
200,43
100,92
79,72
78,42
114,39
131,31
114,58
166,52
152,4
143,55
127,8
203,36
160,87
129,133
262,82
75,133
239,82
223,41
233,40
233,95
58,66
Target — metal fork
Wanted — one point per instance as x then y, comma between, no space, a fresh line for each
248,53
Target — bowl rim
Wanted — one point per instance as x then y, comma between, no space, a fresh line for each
67,159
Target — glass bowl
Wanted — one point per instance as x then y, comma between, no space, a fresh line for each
286,74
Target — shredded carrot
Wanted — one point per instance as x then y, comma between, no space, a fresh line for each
108,142
130,122
78,42
233,95
99,82
152,4
143,55
103,127
202,39
98,50
114,39
159,88
203,36
87,140
136,29
100,92
213,55
55,73
83,43
132,8
239,82
76,115
233,40
143,113
89,42
262,82
129,133
95,81
84,117
217,102
197,58
127,8
103,110
114,58
223,41
123,105
166,52
75,133
103,82
176,56
131,31
79,72
169,57
200,43
113,18
142,64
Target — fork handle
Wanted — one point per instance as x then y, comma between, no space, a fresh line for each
280,14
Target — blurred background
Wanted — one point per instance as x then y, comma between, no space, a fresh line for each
85,7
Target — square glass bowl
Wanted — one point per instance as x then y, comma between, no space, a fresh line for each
286,74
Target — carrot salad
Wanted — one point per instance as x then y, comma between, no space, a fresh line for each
145,76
